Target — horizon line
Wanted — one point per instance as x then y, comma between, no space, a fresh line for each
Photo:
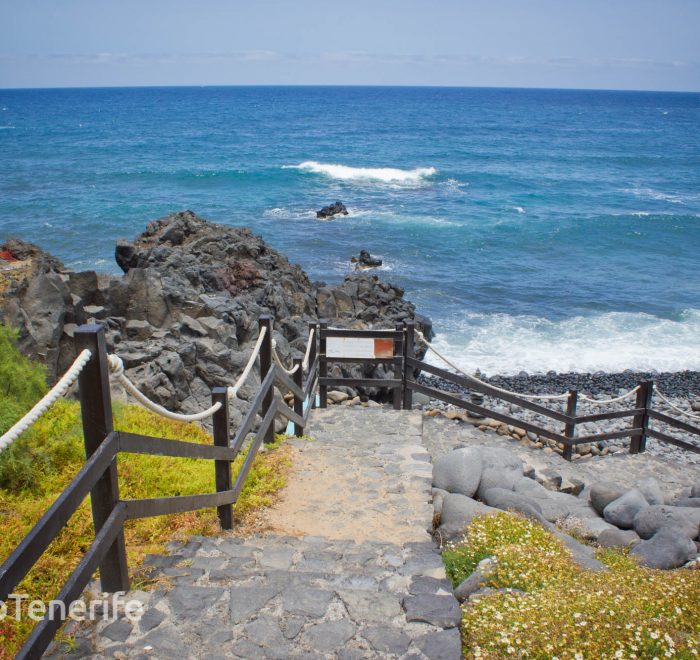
346,86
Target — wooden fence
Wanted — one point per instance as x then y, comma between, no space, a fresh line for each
404,383
98,477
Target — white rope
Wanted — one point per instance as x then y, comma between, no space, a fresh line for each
583,397
116,367
307,356
544,397
232,391
55,393
676,408
278,361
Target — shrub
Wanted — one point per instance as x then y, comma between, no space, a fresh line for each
565,611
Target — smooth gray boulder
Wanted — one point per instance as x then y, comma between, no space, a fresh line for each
649,487
476,580
618,538
621,512
685,520
458,471
665,550
604,492
502,468
589,528
458,511
693,502
508,500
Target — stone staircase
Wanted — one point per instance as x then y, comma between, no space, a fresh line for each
349,571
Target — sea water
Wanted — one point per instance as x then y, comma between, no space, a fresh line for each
539,229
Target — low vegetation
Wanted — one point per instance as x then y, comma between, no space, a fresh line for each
43,461
549,607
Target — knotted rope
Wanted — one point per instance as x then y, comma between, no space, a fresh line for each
676,408
55,393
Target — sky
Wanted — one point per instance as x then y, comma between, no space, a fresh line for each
599,44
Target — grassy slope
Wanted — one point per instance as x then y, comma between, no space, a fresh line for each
565,611
43,461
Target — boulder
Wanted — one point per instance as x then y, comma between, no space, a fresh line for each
438,498
508,500
688,502
604,492
666,550
684,520
649,487
501,469
331,210
476,580
621,512
458,471
618,538
458,511
366,260
590,529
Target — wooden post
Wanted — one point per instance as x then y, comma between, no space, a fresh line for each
312,360
641,421
323,365
409,351
570,428
96,412
265,321
222,469
298,377
398,367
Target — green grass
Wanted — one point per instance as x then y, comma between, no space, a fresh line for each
44,460
566,611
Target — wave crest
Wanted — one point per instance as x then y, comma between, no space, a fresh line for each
347,173
611,342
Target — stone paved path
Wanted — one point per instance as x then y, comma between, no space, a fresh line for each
350,571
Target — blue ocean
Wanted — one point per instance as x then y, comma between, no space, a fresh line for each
539,229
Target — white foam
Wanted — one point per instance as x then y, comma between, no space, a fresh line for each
612,342
382,174
519,209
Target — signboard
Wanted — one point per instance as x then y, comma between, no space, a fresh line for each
359,347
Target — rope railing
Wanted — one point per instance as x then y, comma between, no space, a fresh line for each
543,397
55,393
116,367
309,345
279,363
675,407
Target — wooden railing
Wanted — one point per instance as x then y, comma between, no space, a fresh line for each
404,383
98,477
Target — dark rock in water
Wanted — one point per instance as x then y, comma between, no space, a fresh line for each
366,260
184,315
333,209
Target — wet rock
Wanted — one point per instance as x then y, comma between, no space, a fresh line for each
331,210
366,260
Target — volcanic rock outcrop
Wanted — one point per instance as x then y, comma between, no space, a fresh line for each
184,316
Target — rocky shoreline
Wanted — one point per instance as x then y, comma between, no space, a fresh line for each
184,316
